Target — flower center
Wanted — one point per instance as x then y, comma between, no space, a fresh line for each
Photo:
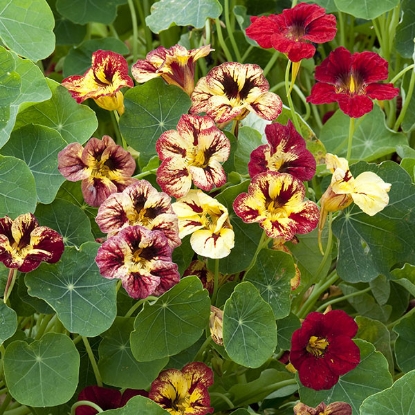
296,31
317,346
351,85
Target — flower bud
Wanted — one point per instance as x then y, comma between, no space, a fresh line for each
216,325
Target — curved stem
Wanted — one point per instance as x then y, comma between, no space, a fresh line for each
222,41
290,101
263,242
406,103
342,298
85,403
130,312
271,62
230,32
350,138
224,398
11,279
135,29
93,361
402,72
215,281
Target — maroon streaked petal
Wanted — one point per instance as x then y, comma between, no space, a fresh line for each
95,190
257,162
70,163
382,91
199,373
48,240
171,144
268,106
73,85
112,213
143,71
173,177
209,177
248,212
138,285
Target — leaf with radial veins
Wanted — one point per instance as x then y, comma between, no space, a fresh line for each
404,345
84,301
8,322
373,245
194,13
366,9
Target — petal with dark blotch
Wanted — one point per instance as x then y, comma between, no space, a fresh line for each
70,163
173,177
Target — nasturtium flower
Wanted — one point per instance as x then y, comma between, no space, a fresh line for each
367,190
103,166
139,204
24,244
102,82
322,349
175,65
141,259
193,152
208,221
231,90
105,398
295,31
352,80
334,408
184,392
205,275
276,202
285,152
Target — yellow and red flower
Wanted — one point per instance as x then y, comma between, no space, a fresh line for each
103,166
208,221
24,244
232,90
352,80
141,259
285,152
193,152
175,65
334,408
276,202
184,392
139,204
322,350
102,82
294,31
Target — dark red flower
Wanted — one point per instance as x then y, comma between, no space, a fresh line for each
105,398
322,349
352,80
294,31
285,152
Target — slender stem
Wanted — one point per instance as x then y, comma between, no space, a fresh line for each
138,304
350,138
145,173
402,72
199,354
222,41
11,279
290,101
135,29
215,281
246,54
85,403
224,398
230,32
143,12
342,298
93,361
116,123
271,62
6,401
44,321
21,410
263,242
406,102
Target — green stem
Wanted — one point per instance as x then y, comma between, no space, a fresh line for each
406,103
222,41
350,138
85,403
144,11
115,117
21,410
390,326
230,32
138,304
342,31
263,242
290,101
271,62
135,29
145,173
223,397
93,361
402,72
215,281
11,279
6,401
246,54
342,298
44,321
199,354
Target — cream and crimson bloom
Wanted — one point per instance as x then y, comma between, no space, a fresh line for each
184,392
192,153
103,166
285,152
276,202
232,90
139,204
141,259
295,31
175,65
352,80
102,82
322,350
24,244
207,221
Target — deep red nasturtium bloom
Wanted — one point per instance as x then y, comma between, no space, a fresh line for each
294,31
141,259
102,82
285,152
322,350
175,65
103,166
276,202
139,204
193,152
24,244
184,392
352,80
105,398
232,90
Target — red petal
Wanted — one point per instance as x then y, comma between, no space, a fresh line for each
262,28
369,66
335,66
382,91
105,398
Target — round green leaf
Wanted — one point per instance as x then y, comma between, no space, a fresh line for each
271,275
249,327
84,301
286,328
138,405
151,109
44,372
38,146
172,323
405,31
8,322
396,400
75,122
67,219
405,343
10,81
366,9
116,362
26,27
194,13
370,376
17,187
248,140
